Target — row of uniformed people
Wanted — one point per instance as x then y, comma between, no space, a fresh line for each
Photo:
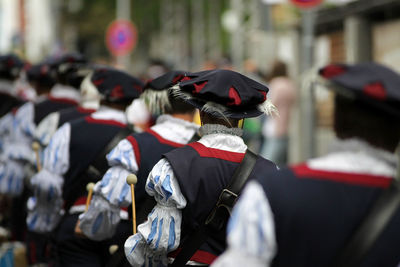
187,182
304,215
27,123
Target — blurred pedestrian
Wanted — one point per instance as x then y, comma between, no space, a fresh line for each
275,129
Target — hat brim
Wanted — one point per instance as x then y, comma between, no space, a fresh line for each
229,113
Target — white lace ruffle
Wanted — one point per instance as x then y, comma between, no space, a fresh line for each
251,231
100,221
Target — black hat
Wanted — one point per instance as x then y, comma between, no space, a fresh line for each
116,86
10,66
59,64
57,61
156,92
225,93
40,73
74,73
371,83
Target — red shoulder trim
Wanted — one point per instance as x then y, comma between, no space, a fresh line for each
208,152
135,147
85,110
200,256
63,100
303,171
163,140
90,119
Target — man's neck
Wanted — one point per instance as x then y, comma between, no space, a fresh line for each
183,116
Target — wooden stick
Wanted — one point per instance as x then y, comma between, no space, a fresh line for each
132,180
89,188
36,148
112,249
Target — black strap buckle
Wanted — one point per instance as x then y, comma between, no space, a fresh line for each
220,214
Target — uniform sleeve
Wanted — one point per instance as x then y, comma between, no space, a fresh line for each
123,155
251,231
161,232
11,178
5,128
100,221
24,120
110,193
18,145
47,127
56,154
44,209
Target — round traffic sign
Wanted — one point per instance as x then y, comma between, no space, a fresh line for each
306,3
121,37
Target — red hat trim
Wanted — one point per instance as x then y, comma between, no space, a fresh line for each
234,95
331,71
375,90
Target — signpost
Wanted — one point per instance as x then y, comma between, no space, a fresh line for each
121,37
306,3
307,49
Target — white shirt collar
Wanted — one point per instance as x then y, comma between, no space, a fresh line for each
107,113
174,129
357,156
221,137
64,91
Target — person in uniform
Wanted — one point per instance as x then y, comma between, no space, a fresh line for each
187,181
307,214
74,157
17,154
137,154
70,74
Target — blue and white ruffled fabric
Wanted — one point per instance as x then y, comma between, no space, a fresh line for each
44,209
6,123
11,178
103,215
46,128
161,233
15,149
251,231
155,239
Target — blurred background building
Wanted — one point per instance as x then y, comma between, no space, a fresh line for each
245,35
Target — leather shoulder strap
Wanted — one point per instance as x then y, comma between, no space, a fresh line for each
371,228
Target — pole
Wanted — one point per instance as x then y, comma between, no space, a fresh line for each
132,180
307,101
124,13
